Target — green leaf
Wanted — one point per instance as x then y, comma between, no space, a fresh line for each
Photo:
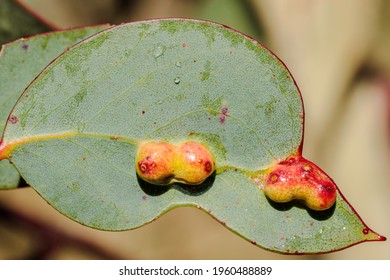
20,62
76,129
16,22
234,13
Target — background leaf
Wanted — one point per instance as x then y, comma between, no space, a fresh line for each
20,62
80,121
16,22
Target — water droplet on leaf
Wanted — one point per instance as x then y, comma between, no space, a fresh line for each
177,80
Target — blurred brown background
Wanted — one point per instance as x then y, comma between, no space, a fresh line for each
339,54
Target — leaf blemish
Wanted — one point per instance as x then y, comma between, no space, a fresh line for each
25,46
223,114
13,119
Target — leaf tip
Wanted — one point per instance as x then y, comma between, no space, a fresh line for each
371,235
382,238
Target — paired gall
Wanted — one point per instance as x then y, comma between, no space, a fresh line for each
163,163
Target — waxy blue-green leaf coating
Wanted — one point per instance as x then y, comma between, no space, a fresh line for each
81,120
20,62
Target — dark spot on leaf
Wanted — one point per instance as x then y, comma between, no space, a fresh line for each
253,242
13,119
184,45
143,112
366,231
223,114
144,197
25,46
84,157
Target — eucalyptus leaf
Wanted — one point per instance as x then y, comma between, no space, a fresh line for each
16,22
20,62
75,132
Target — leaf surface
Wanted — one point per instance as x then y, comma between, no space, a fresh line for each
20,62
77,127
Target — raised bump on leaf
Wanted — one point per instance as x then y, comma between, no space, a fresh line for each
194,163
298,178
162,163
154,162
